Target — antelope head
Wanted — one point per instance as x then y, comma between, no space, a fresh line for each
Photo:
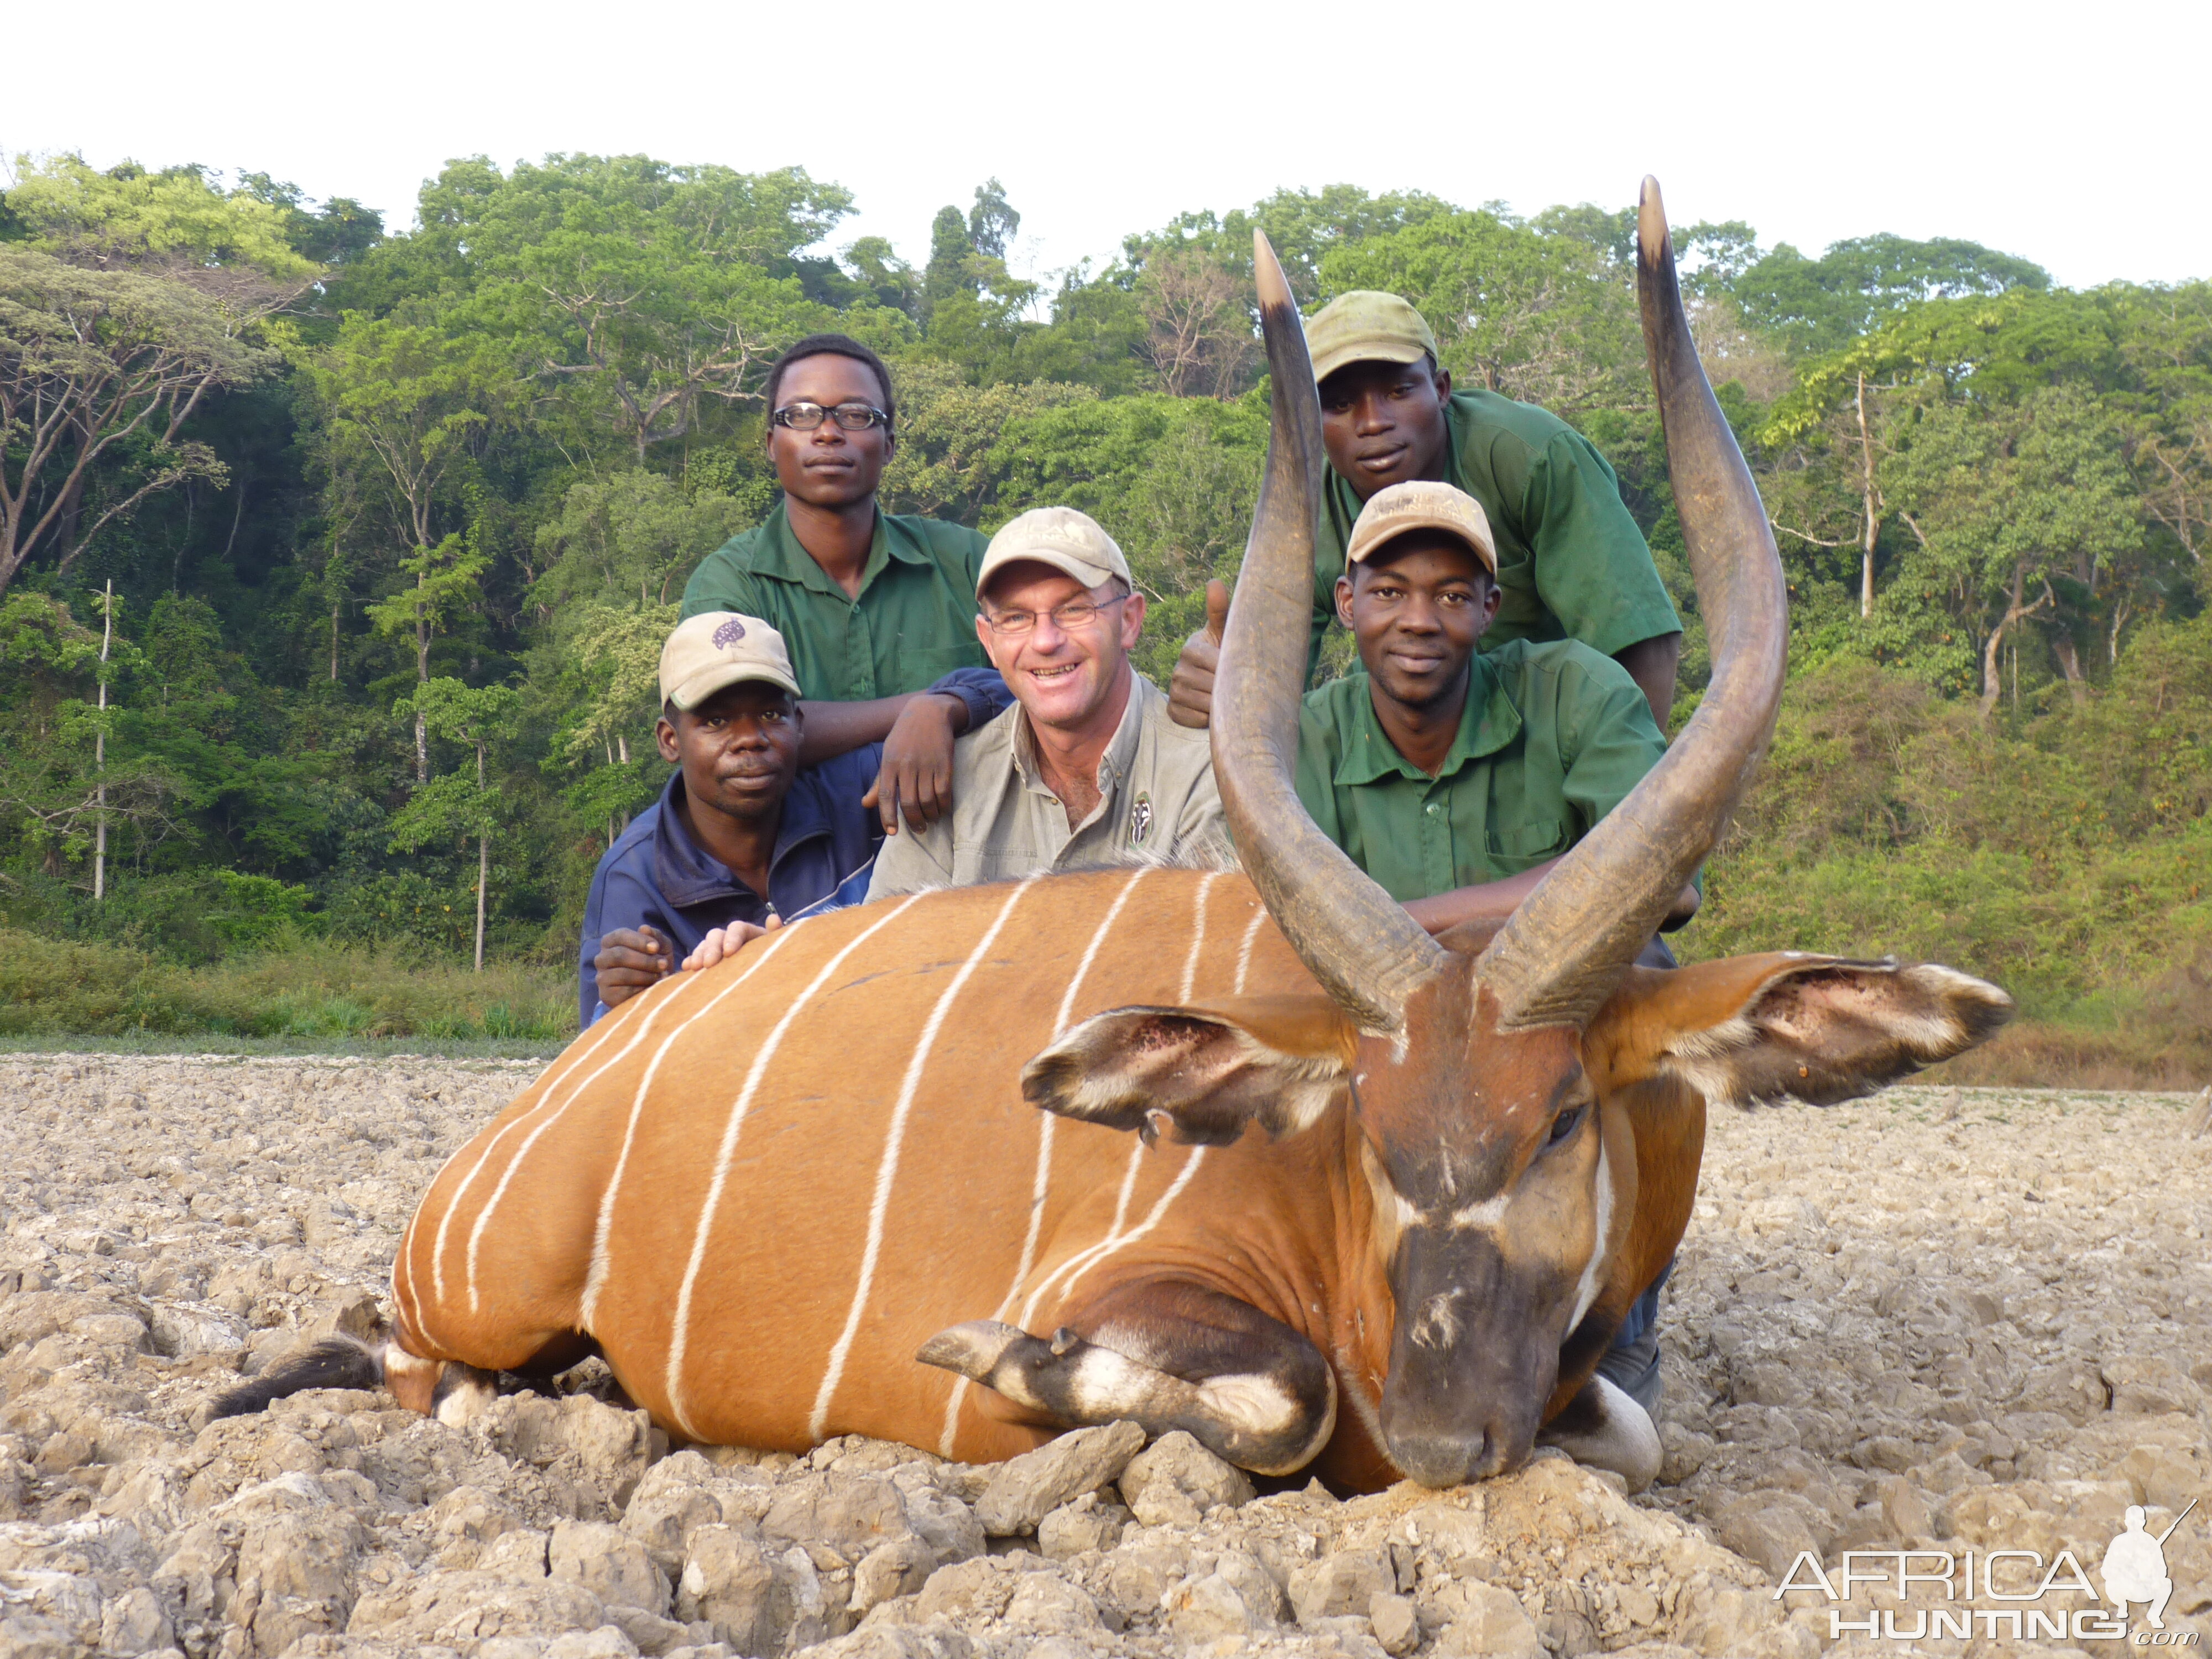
1487,1070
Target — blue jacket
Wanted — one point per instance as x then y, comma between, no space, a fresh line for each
655,874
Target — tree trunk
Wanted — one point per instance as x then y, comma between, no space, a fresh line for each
334,641
1992,658
1870,521
100,754
484,862
2069,663
422,677
484,880
1992,674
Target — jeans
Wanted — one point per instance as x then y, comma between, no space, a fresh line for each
1632,1363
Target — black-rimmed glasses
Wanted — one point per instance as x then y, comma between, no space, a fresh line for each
850,418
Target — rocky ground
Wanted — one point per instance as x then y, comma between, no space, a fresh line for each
1941,1320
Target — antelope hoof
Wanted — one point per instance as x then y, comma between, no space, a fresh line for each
1604,1429
973,1349
465,1394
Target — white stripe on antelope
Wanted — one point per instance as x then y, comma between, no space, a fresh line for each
1201,1134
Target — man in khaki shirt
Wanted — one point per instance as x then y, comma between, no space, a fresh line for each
1085,769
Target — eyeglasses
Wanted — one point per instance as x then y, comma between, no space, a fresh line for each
1072,617
850,418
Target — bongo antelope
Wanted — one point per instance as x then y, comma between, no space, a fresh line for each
1242,1152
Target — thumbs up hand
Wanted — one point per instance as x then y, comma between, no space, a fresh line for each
1190,689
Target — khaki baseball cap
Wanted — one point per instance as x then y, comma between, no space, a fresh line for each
1420,504
1364,326
718,648
1070,542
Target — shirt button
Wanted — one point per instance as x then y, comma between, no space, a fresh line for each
1432,807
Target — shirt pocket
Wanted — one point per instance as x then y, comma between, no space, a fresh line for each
1528,843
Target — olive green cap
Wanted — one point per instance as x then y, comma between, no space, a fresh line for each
1364,326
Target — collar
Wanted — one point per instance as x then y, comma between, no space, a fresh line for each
1113,766
1487,723
779,555
688,874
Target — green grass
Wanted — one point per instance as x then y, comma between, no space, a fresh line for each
303,995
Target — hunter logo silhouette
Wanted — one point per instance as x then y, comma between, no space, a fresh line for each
2135,1566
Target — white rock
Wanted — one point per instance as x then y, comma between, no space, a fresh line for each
1175,1480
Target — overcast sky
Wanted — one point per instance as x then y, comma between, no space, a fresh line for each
2074,138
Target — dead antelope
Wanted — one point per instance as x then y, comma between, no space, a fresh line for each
902,1132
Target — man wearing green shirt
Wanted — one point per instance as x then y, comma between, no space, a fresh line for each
1454,777
1571,562
873,607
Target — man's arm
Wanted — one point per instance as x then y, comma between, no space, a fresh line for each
722,583
1494,901
839,728
1651,664
1594,570
628,946
917,731
630,960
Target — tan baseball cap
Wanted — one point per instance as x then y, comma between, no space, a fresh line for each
1421,504
1364,326
1068,541
718,648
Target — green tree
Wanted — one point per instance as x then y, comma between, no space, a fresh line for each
1818,305
99,370
448,578
403,402
2018,513
65,781
458,804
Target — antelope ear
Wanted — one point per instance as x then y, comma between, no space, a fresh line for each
1204,1072
1751,1030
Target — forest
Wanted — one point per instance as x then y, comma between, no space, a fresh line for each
335,556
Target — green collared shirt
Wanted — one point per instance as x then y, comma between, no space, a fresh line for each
913,623
1553,738
1572,565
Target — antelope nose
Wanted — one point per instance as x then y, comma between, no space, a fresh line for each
1443,1460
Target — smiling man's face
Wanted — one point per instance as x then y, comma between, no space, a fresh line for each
1068,679
1384,424
828,467
1416,606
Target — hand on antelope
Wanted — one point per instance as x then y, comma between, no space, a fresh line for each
721,942
630,960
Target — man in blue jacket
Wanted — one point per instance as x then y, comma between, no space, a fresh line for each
742,834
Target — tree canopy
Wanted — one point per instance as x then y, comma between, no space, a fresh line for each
384,507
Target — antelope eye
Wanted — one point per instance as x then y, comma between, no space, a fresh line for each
1564,1124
